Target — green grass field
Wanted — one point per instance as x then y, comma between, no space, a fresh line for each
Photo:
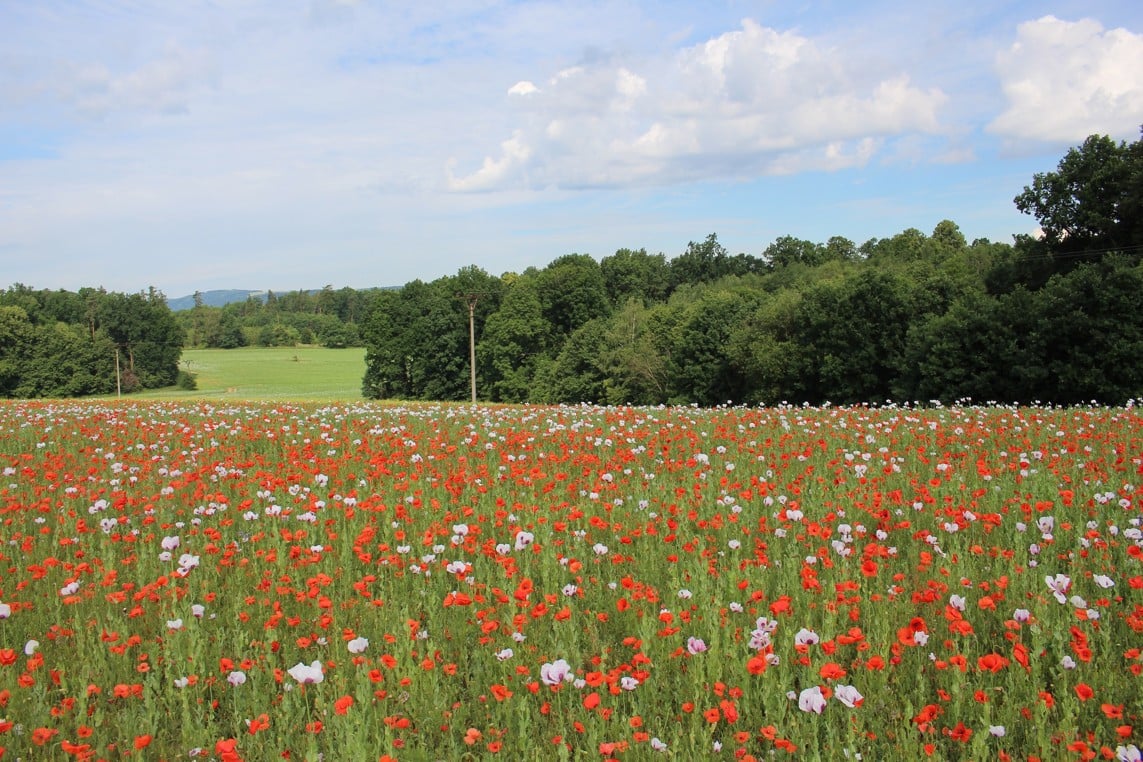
271,373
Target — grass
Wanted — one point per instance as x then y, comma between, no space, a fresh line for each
271,373
265,580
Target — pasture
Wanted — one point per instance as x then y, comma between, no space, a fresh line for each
270,373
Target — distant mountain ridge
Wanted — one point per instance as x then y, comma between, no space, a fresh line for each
215,298
224,296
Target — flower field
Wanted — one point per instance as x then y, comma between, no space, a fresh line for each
364,582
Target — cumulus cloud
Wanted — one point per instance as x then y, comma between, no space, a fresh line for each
1065,80
523,87
231,134
751,101
494,172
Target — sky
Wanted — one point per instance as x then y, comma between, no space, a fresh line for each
293,144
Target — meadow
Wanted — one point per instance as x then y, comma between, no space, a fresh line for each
302,373
253,580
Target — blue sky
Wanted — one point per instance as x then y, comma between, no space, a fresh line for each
285,144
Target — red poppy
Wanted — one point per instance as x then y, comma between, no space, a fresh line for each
1112,711
831,671
991,663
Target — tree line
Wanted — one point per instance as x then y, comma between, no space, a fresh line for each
328,317
58,343
71,344
916,317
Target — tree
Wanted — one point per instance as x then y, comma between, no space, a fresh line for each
955,355
387,344
839,248
572,291
516,343
17,342
854,332
787,251
278,335
708,261
907,246
480,293
68,364
1092,205
417,337
1093,318
700,361
766,350
576,374
338,335
948,238
973,263
142,327
51,360
1094,199
635,355
635,273
229,334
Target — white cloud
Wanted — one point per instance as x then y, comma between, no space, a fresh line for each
304,138
1066,80
161,85
494,172
832,157
629,84
752,101
523,87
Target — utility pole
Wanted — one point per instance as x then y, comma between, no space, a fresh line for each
471,299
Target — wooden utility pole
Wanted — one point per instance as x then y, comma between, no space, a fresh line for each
471,299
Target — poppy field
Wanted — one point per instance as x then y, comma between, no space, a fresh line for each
257,581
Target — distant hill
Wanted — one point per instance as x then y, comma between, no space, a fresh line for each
217,298
225,296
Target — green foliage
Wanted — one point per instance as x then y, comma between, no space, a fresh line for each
417,338
62,344
338,335
956,354
571,291
699,573
515,343
328,317
1090,206
636,274
853,333
17,337
908,317
634,355
788,251
229,334
186,381
1092,199
279,335
576,374
709,261
701,370
1094,328
765,348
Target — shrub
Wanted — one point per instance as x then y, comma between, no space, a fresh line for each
186,381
